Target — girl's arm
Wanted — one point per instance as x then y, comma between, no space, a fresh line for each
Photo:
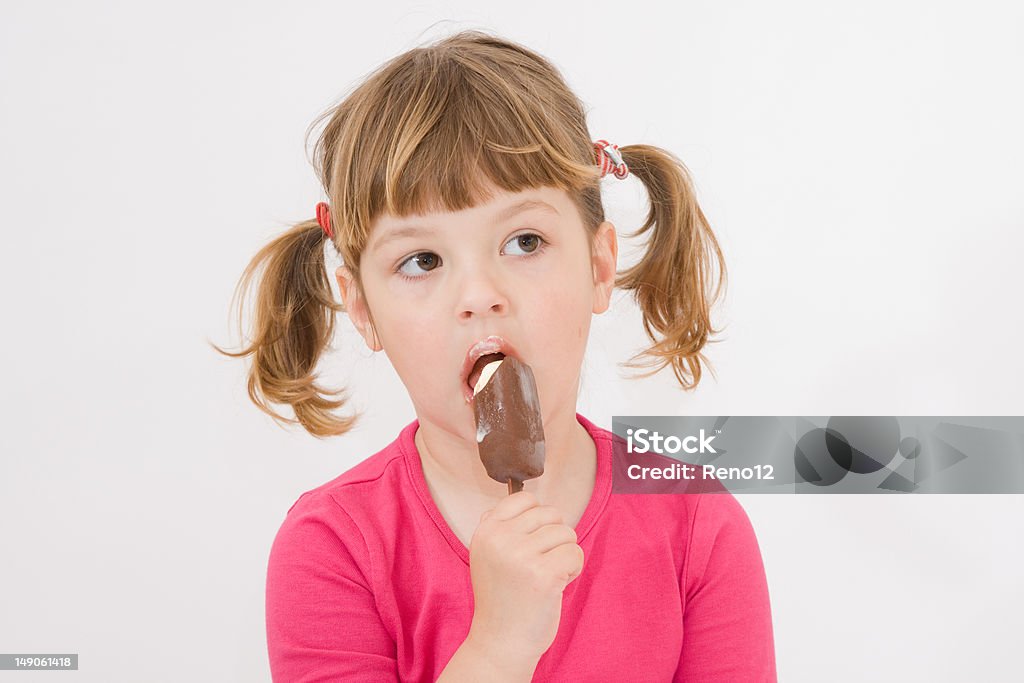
727,622
522,556
322,620
476,661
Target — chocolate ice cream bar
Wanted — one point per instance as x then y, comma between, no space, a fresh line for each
509,428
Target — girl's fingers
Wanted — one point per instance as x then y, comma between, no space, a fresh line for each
538,516
513,505
565,561
550,536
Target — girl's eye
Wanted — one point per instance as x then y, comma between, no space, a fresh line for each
531,244
425,258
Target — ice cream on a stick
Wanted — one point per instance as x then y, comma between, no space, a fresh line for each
509,428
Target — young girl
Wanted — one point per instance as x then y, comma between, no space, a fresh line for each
465,205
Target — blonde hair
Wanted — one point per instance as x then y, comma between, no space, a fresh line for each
431,130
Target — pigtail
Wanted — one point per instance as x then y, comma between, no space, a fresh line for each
671,282
294,318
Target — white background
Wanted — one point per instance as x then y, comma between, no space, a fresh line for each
860,162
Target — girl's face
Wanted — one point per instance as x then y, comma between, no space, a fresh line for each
518,267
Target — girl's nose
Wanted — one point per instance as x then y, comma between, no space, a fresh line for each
481,295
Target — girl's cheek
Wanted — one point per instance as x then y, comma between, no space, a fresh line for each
562,299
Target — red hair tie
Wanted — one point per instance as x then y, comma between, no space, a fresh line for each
610,159
323,217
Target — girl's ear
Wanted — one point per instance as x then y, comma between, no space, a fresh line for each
355,306
605,260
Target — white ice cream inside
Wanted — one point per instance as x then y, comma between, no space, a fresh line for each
485,375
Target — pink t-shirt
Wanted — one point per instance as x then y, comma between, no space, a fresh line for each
367,582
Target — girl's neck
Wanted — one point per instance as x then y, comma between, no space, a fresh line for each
451,463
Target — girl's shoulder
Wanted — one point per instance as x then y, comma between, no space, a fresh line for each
372,477
333,522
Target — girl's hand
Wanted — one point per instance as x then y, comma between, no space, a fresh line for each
521,558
